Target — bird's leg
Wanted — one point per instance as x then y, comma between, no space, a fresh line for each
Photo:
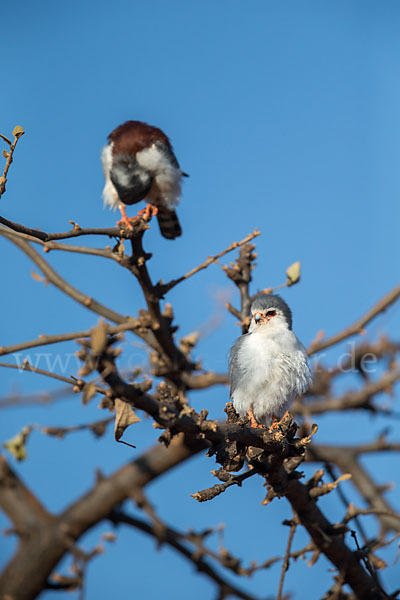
145,213
150,211
276,424
253,422
125,220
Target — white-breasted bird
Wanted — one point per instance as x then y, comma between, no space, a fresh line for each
268,366
139,164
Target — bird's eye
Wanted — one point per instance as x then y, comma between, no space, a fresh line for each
271,313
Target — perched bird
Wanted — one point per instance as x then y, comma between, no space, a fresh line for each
139,163
268,366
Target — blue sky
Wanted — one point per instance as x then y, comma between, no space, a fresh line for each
286,117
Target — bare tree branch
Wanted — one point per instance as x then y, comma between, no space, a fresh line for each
274,455
299,496
63,285
17,133
346,459
358,326
44,397
76,231
47,246
40,551
43,340
165,287
350,400
171,537
19,504
28,367
285,564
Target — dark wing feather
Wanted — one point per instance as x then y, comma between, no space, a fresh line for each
166,149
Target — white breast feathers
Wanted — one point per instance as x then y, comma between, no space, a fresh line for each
271,371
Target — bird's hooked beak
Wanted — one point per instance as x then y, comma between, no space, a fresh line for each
258,317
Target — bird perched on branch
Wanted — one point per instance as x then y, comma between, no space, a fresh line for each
139,163
268,366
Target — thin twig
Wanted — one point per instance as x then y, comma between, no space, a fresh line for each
43,397
219,488
98,428
344,499
59,282
45,340
75,232
285,564
18,132
359,325
211,259
47,246
369,567
346,459
352,400
171,538
353,513
27,367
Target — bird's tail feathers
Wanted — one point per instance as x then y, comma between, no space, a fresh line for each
168,222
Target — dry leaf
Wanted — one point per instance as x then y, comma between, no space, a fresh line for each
89,391
293,273
18,131
6,154
99,337
16,446
124,416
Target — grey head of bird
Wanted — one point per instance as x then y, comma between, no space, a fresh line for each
269,312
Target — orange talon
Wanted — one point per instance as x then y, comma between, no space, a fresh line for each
253,422
145,213
125,220
276,424
149,211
